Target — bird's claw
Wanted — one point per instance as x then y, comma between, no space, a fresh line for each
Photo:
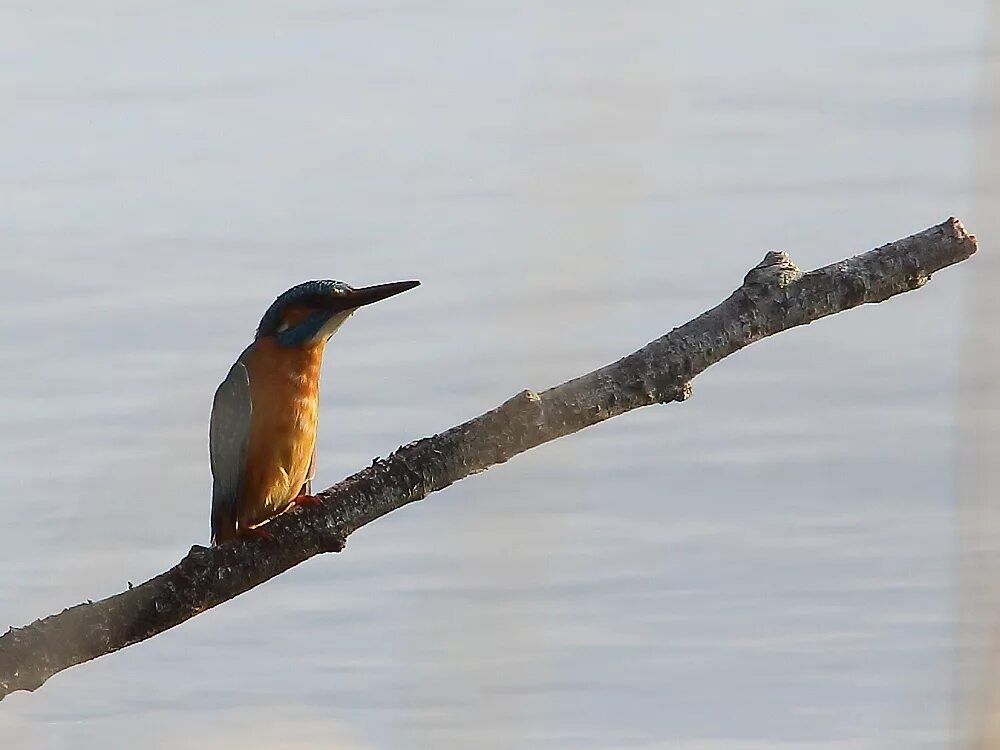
257,533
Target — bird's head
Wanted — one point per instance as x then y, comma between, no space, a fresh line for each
311,313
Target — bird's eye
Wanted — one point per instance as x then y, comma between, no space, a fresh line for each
283,327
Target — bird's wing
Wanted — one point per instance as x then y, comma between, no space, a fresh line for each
228,439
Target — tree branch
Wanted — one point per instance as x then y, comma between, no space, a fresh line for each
774,296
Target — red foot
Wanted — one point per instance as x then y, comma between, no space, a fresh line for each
256,533
308,500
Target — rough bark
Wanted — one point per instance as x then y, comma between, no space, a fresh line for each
774,296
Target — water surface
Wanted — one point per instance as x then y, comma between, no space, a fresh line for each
768,565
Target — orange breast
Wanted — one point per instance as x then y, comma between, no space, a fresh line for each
284,387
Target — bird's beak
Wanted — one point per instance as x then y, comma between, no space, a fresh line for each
366,295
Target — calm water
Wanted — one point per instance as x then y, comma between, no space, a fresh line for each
769,565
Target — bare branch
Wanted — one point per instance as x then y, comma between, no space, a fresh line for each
774,296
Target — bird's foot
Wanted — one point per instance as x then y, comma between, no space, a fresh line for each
307,500
256,532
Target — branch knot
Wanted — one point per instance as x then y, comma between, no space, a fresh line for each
777,270
680,393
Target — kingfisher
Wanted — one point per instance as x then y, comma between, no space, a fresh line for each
262,434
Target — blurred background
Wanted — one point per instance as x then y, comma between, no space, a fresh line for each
797,557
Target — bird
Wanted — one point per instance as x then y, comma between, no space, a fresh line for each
262,431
